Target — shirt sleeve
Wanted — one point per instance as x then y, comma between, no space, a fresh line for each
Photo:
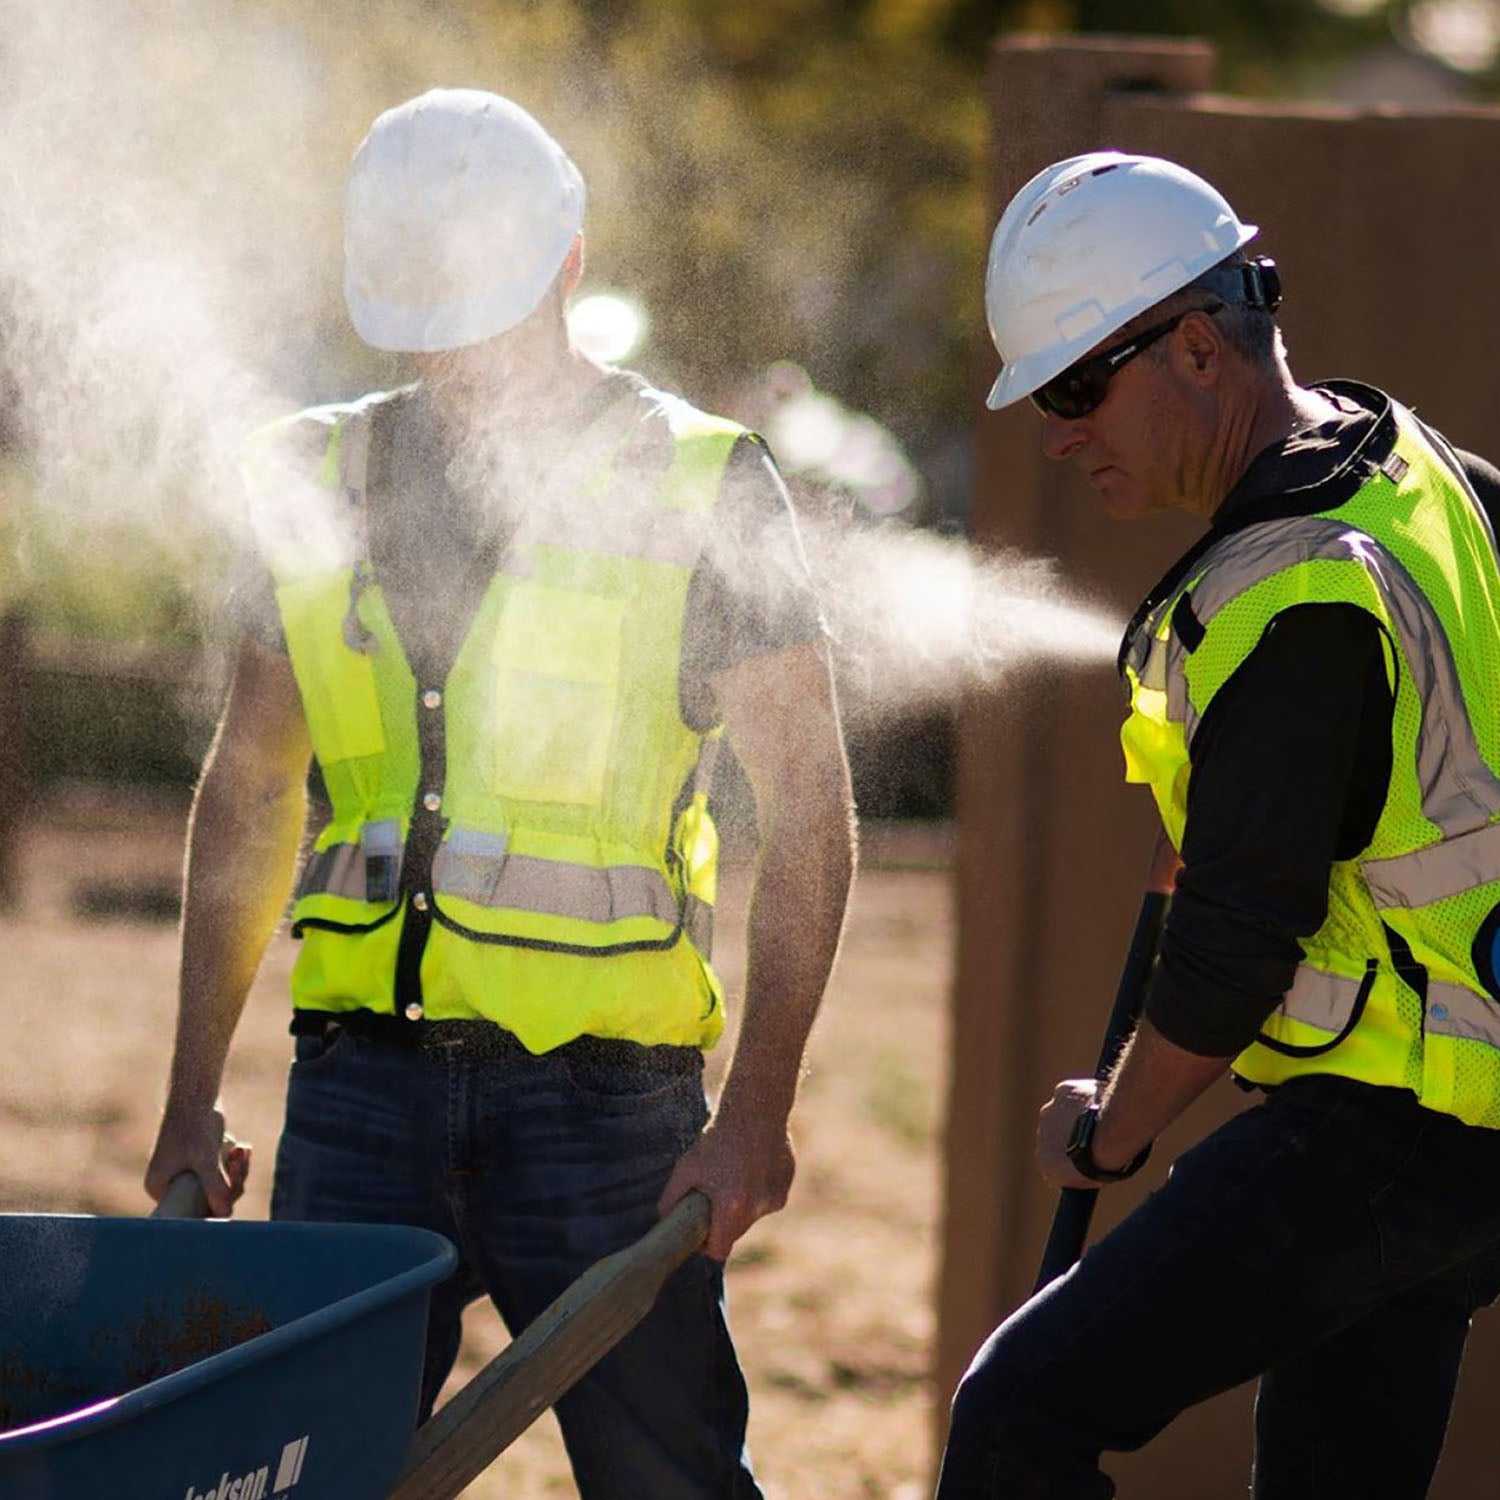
1290,770
1485,479
252,614
752,592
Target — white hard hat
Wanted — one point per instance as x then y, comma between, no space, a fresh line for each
459,213
1086,246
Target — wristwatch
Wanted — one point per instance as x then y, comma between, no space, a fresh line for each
1079,1151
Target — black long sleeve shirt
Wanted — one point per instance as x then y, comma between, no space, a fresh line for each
1290,767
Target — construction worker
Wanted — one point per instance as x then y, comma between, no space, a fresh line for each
1313,703
514,656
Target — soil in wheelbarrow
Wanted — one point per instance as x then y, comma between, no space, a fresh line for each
145,1346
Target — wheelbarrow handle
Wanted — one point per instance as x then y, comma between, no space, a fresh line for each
183,1199
552,1352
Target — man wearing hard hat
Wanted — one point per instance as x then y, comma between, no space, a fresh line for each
544,593
1315,705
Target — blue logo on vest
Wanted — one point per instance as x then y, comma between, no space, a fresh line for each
1486,953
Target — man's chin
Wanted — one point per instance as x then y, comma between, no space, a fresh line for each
1117,494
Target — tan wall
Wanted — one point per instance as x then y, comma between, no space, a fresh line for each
1385,227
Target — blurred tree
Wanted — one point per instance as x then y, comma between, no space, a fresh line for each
786,180
798,180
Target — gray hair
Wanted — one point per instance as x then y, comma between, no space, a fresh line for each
1251,332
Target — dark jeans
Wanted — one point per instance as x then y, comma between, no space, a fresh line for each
535,1167
1333,1240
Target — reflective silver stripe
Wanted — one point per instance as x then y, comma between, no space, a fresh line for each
468,865
338,870
354,455
345,869
1457,1011
582,893
1179,703
1148,660
1440,870
1318,998
708,758
1459,791
494,878
1138,649
1158,658
698,922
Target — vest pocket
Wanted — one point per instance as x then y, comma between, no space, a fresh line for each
556,661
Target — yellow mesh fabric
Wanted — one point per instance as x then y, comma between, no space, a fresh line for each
1426,529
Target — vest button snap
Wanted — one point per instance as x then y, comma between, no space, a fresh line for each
419,900
413,1012
432,699
431,801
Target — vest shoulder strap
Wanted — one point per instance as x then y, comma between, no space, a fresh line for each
703,444
328,445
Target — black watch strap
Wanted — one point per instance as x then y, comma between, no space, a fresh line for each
1079,1151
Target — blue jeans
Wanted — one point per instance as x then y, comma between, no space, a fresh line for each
535,1167
1333,1240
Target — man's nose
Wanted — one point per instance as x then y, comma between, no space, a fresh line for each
1062,438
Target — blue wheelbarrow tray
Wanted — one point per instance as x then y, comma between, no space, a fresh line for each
179,1359
152,1359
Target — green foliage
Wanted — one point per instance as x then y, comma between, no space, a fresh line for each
117,579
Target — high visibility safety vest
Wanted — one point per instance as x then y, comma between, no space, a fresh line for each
1399,986
529,838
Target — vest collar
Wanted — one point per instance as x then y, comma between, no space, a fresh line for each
1313,470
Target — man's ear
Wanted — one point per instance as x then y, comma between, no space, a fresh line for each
1202,346
572,268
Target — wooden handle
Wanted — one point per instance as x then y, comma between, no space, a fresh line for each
183,1199
551,1354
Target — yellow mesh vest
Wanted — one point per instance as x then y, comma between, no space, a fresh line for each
1413,549
572,892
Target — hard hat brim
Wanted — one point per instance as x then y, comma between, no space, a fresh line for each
423,329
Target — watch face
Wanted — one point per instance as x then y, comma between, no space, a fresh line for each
1081,1134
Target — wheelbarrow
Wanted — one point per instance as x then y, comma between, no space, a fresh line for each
184,1359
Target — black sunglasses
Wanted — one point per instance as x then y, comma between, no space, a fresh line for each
1082,386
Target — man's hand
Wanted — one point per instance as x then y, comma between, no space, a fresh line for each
745,1172
195,1142
1055,1124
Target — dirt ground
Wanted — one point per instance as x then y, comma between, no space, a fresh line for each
831,1301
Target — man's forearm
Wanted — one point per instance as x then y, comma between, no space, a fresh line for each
795,918
241,857
1151,1085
